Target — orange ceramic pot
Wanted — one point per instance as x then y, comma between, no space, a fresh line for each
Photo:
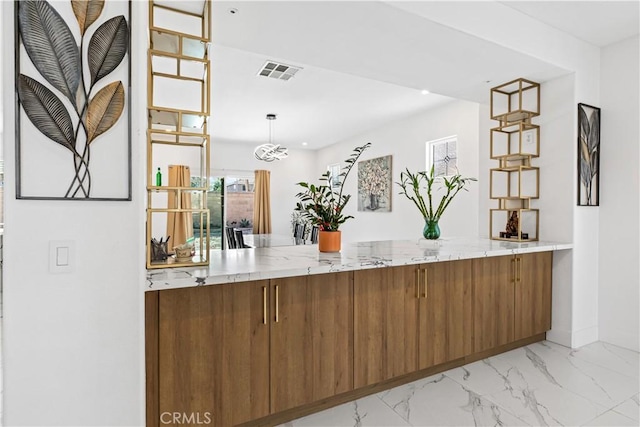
329,241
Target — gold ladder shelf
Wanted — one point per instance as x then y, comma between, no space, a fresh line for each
515,182
178,58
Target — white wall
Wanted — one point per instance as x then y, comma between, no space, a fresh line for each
72,343
405,141
619,250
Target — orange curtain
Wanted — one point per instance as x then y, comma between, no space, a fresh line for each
262,203
179,224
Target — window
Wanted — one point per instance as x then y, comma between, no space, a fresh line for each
334,175
442,154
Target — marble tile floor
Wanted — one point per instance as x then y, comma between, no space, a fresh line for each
543,384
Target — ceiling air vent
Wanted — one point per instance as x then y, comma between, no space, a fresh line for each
278,71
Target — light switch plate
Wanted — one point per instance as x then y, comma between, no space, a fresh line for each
61,256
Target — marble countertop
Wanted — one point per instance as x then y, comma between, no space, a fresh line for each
272,240
237,265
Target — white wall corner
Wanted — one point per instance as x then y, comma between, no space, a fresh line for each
560,336
584,336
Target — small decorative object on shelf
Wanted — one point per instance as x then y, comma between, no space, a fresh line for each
411,184
323,204
512,224
159,178
159,249
514,183
183,252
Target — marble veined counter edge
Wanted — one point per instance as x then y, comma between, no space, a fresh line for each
239,265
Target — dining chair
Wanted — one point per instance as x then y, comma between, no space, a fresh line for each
240,240
298,231
231,238
314,234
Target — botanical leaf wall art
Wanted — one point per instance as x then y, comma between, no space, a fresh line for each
72,114
588,155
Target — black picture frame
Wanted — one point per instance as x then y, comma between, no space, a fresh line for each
588,155
61,126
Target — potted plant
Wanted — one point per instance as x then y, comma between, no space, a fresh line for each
323,204
411,185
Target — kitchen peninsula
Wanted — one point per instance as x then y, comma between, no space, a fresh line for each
266,335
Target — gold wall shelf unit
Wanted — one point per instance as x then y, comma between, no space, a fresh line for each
513,143
178,108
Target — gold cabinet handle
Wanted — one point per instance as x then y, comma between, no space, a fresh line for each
513,270
277,304
264,305
418,283
518,268
426,282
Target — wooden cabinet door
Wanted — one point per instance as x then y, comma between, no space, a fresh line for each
493,296
385,323
213,353
445,325
311,338
533,294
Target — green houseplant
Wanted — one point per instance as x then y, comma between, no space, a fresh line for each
412,184
323,204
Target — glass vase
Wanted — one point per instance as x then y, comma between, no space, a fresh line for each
431,229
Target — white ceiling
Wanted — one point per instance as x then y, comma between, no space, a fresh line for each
317,106
364,64
191,6
599,23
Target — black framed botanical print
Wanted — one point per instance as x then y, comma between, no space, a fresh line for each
588,155
73,115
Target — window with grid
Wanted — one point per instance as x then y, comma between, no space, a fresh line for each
442,154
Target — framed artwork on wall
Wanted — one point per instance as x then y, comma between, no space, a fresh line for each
588,155
374,185
73,115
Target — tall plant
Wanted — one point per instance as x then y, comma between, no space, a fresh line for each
412,185
323,204
53,50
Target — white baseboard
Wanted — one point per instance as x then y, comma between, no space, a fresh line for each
560,336
576,339
584,336
620,338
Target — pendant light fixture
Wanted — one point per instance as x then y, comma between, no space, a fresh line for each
270,152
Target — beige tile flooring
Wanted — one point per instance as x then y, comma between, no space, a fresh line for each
537,385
